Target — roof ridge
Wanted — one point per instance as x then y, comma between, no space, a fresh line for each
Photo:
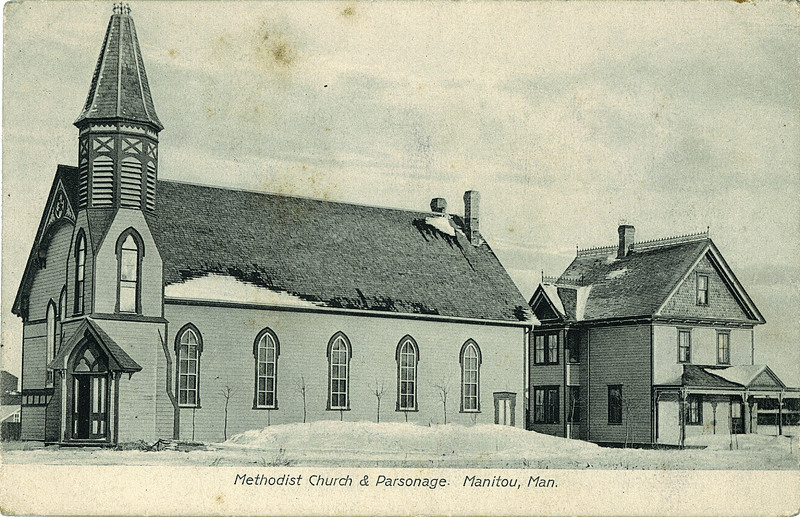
307,198
667,241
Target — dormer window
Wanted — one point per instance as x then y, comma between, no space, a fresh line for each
129,251
702,289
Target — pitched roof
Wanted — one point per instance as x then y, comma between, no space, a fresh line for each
635,285
732,377
119,88
335,254
599,285
119,360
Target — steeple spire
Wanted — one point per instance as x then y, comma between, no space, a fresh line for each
119,88
118,126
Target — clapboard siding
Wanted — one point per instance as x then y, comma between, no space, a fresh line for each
137,394
48,281
53,414
106,270
666,367
721,303
32,423
227,360
620,355
34,342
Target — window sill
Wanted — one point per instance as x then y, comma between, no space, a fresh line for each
263,408
470,411
398,410
189,407
615,423
338,409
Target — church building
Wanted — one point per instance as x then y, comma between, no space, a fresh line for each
154,308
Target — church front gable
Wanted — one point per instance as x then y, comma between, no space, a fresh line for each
705,294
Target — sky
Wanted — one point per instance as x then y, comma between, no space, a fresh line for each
569,117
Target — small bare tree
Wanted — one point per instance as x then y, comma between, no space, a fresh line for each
443,389
301,387
226,391
627,409
378,391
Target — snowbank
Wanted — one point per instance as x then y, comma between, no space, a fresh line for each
442,224
450,439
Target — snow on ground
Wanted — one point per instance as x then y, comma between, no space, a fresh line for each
364,444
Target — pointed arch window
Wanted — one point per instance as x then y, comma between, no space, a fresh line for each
407,357
470,377
80,270
189,344
339,354
51,339
129,256
266,351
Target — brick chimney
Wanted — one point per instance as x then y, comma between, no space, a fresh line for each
472,199
439,205
626,236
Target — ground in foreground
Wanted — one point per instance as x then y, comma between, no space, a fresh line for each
362,444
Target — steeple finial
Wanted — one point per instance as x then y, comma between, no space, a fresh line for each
122,8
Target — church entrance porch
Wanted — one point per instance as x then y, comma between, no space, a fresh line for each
89,365
90,396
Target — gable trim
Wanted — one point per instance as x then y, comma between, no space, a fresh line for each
541,294
726,275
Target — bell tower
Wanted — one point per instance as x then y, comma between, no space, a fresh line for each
118,126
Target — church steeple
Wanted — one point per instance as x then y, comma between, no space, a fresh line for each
118,126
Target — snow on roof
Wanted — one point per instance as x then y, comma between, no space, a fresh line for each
741,374
582,294
616,273
227,288
441,223
552,293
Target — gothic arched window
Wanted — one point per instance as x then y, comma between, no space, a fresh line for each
51,338
339,354
190,345
407,357
470,377
80,270
266,352
129,256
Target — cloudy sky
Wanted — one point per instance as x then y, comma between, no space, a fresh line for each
568,117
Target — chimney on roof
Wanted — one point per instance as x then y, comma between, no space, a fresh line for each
472,199
626,235
439,205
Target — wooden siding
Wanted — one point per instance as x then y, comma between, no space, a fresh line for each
48,282
106,270
620,355
227,360
138,394
666,367
34,357
32,423
721,303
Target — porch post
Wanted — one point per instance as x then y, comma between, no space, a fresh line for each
780,413
682,416
747,412
63,434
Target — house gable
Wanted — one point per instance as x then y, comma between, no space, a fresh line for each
766,379
726,299
543,308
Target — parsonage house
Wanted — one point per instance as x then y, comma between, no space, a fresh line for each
159,309
648,343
